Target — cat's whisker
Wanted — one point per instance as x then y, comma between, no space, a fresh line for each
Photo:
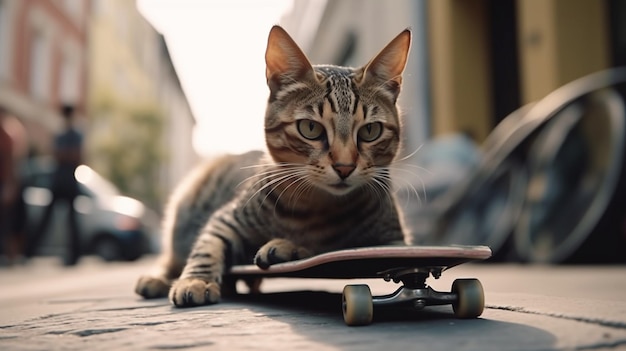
270,183
298,178
382,177
408,164
282,181
278,176
273,168
266,175
380,193
270,168
387,176
273,165
258,165
302,187
404,158
307,186
401,169
410,188
416,167
385,188
276,182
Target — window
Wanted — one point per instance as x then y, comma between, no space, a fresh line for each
121,83
68,82
3,40
39,66
74,8
98,7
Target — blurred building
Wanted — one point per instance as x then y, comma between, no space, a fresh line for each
472,61
131,78
103,57
490,57
179,124
43,63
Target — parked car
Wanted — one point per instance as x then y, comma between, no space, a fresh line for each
112,226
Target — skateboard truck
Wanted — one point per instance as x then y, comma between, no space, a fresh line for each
466,297
414,291
411,276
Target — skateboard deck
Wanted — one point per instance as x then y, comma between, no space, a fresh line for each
411,265
367,262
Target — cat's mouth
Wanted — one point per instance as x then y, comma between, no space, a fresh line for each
340,188
340,185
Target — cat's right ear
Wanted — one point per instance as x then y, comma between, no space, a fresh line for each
284,60
386,68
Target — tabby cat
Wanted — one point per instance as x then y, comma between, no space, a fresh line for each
331,133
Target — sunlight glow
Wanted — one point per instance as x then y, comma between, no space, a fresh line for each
84,174
218,50
128,206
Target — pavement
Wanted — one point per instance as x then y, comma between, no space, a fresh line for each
92,306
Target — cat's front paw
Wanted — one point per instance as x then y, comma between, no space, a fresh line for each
279,250
152,287
191,292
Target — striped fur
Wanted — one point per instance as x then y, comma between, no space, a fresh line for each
323,185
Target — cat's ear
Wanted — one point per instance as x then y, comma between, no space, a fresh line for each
386,68
284,60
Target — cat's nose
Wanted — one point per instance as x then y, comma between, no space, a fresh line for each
343,170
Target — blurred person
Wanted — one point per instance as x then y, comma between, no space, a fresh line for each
68,156
13,152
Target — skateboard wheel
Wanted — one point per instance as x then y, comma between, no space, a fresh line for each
470,301
358,308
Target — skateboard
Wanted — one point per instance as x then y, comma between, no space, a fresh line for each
409,265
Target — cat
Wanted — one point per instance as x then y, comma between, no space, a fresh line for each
324,183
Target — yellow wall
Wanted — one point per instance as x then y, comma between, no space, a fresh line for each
118,68
558,41
459,60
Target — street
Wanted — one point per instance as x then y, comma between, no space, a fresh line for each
92,306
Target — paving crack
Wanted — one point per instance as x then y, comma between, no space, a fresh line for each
90,332
130,308
182,346
617,344
595,321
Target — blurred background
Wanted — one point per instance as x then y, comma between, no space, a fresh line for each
513,110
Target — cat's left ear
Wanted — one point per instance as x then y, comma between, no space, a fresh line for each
285,62
388,65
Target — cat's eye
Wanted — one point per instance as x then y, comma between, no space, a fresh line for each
310,129
370,131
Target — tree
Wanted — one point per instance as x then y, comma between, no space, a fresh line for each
125,145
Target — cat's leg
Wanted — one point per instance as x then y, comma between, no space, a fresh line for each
158,283
201,279
176,246
279,250
177,241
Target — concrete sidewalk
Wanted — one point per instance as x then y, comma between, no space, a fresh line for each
92,307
